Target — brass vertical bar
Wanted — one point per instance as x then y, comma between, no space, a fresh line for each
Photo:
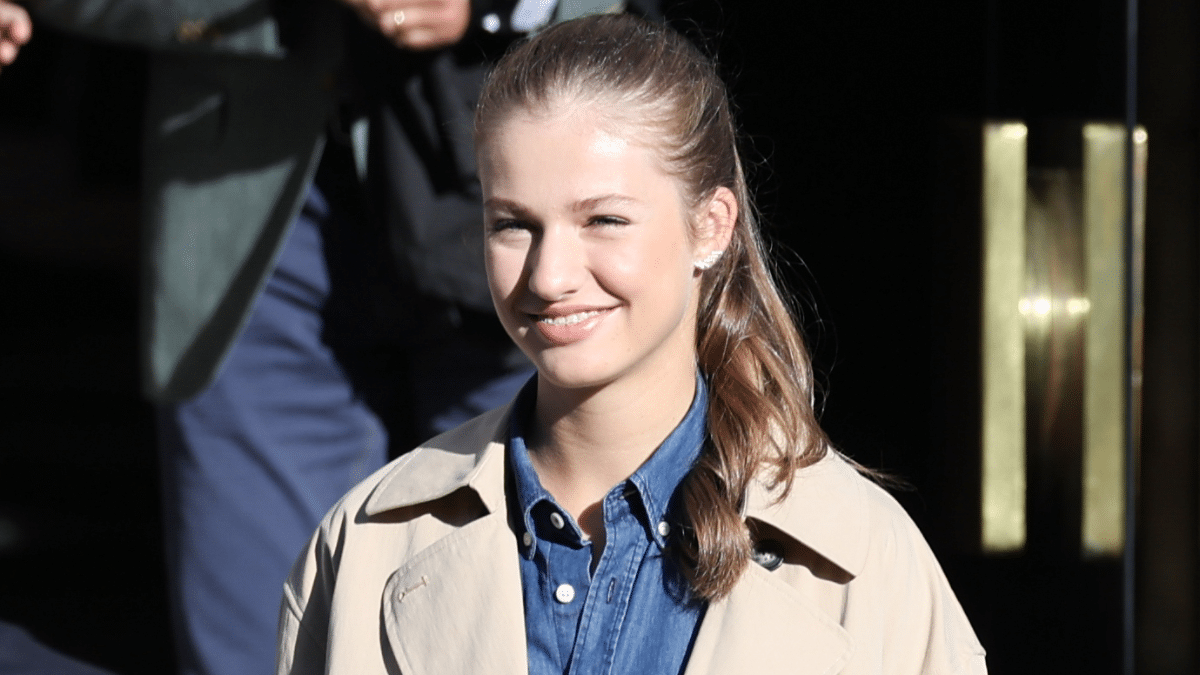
1103,529
1003,337
1105,391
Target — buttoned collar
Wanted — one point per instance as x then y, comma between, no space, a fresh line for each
654,482
659,477
826,509
527,488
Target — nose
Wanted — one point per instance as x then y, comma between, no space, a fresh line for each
556,265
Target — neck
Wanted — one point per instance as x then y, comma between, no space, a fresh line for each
585,442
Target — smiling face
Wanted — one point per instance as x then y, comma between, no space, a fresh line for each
590,255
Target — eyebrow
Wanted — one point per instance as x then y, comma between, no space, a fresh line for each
592,202
588,204
499,203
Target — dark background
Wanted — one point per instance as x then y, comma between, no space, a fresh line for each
845,107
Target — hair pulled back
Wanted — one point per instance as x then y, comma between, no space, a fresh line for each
761,422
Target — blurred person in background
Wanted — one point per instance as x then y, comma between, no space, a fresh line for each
312,292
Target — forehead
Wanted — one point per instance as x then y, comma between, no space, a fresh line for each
569,156
612,118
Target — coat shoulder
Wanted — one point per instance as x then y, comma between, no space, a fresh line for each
901,596
376,529
434,469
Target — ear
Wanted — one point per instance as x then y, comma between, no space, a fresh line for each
715,221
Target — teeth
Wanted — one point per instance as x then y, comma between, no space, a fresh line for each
569,319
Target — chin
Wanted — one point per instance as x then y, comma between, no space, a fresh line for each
573,373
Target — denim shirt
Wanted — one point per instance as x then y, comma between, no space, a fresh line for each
634,613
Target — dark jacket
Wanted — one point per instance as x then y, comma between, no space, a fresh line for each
239,106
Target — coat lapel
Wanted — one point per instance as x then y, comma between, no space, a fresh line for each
457,607
767,626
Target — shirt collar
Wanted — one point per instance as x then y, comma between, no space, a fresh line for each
826,510
526,486
655,481
658,478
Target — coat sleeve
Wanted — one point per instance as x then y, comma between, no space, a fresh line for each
304,612
234,26
901,612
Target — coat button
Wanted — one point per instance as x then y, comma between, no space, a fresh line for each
664,528
564,594
527,538
556,520
768,553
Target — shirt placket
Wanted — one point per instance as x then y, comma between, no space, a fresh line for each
566,580
608,598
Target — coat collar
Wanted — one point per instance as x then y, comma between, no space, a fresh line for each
470,456
825,511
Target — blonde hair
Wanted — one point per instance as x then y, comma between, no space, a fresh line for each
761,421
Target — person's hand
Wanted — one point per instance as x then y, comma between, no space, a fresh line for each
417,25
15,31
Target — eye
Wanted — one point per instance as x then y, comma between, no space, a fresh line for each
608,220
507,224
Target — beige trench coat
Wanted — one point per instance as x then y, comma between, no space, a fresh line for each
416,572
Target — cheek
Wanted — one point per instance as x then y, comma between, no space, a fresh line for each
660,270
503,266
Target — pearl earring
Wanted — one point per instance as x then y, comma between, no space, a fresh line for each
709,260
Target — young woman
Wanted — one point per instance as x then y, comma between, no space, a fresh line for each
659,498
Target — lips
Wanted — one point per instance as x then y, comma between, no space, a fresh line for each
567,326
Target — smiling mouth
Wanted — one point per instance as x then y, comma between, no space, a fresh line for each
569,319
564,329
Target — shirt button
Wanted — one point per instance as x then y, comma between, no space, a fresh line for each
564,594
663,528
556,520
528,539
